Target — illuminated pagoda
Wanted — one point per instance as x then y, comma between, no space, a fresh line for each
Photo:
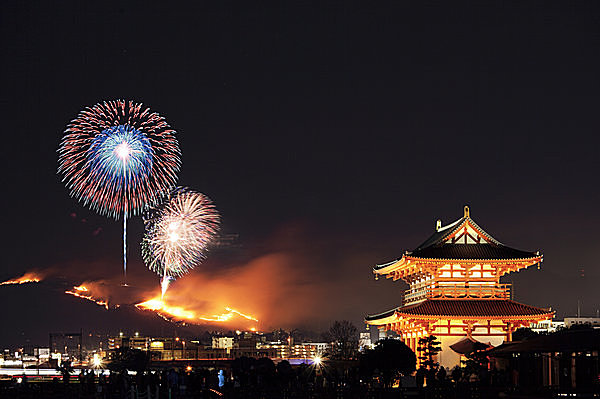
455,291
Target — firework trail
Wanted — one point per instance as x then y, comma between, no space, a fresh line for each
117,158
164,284
178,234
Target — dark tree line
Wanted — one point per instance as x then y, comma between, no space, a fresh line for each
390,358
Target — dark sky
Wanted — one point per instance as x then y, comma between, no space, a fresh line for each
354,125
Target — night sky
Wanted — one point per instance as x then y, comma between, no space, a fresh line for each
332,134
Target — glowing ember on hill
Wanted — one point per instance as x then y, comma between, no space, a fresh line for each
26,278
78,292
176,312
241,314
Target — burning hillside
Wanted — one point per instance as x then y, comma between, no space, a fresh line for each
83,292
29,277
177,313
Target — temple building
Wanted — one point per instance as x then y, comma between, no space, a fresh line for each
455,291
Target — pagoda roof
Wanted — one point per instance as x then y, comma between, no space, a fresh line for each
471,251
443,232
469,345
462,239
462,308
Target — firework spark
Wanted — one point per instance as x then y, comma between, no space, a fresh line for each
25,279
117,158
81,292
168,312
178,234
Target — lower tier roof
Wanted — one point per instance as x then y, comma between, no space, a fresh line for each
463,308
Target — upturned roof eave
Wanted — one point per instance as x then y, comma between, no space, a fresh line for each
534,259
382,315
406,260
388,267
533,317
396,314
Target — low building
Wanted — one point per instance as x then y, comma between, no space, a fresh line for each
222,342
364,341
222,347
565,361
574,321
547,326
253,352
135,342
306,350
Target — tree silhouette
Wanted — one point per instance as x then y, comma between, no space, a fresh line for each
523,333
428,348
475,362
343,336
265,370
391,357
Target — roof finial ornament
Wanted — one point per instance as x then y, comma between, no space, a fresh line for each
438,225
466,211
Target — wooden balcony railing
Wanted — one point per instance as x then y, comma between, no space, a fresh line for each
496,291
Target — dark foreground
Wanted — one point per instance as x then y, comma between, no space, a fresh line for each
123,390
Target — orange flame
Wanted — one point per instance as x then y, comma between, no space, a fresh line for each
82,288
166,311
241,314
26,278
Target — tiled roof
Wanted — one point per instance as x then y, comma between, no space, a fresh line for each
471,251
468,345
464,308
569,341
437,246
440,235
471,307
383,315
